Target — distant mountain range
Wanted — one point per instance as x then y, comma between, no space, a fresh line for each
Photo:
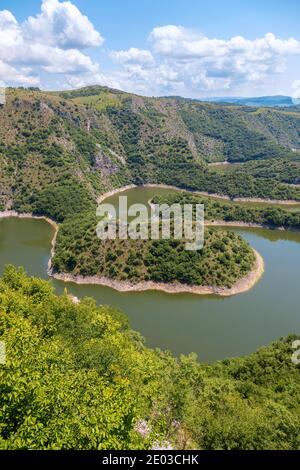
270,101
265,101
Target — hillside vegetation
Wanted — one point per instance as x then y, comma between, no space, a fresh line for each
77,377
59,151
224,259
216,210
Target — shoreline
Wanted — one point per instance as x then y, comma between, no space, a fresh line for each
27,215
242,285
115,191
236,223
219,163
13,214
225,198
223,223
288,202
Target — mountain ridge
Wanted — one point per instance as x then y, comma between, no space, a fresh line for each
266,101
74,145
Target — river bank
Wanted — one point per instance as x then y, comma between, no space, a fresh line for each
223,223
225,198
197,193
213,326
219,163
25,215
29,215
114,191
242,285
235,223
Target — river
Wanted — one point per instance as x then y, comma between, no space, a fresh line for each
211,326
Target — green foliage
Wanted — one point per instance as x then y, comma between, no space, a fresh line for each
101,138
77,377
225,257
244,132
235,184
58,201
281,171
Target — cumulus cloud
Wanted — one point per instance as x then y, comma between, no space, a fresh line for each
181,43
50,59
56,42
86,79
62,25
9,29
133,56
22,76
51,42
216,64
55,60
185,60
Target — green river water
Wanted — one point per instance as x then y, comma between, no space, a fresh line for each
211,326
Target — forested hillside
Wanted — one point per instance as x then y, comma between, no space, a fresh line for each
224,259
77,377
70,146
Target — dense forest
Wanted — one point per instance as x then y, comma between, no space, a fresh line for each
280,171
77,377
224,259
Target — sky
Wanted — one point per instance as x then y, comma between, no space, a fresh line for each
192,48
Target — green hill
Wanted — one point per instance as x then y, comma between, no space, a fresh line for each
77,377
224,259
71,146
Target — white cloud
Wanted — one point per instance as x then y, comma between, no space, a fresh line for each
50,42
199,64
63,25
180,43
133,56
86,79
49,59
22,76
55,60
9,29
156,79
177,61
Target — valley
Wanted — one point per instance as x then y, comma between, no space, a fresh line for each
204,358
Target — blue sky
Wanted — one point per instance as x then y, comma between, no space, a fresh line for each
193,48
